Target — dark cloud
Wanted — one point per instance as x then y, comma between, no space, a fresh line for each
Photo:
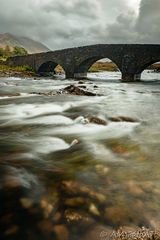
67,23
147,24
123,30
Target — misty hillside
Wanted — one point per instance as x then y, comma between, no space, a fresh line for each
30,45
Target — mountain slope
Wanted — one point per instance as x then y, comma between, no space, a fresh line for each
30,45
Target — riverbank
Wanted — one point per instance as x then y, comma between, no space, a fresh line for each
11,73
19,71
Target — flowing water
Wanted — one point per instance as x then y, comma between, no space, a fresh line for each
51,188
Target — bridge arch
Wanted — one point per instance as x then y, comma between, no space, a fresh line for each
149,63
49,67
152,68
145,65
84,66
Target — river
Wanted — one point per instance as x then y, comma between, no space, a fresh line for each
62,177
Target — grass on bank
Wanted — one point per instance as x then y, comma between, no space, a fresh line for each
103,66
110,66
4,67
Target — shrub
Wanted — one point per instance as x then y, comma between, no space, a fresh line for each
19,51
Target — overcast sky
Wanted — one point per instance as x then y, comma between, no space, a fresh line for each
66,23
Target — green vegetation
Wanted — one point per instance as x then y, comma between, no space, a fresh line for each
19,51
4,67
11,52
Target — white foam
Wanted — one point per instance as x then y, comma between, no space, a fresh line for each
22,111
55,119
96,132
46,144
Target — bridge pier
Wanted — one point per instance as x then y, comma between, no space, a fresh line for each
80,75
130,77
69,75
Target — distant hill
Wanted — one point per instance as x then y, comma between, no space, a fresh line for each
30,45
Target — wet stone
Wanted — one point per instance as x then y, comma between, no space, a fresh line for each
74,202
116,216
101,169
12,230
94,210
47,208
72,89
78,217
57,217
26,202
72,188
46,226
123,119
134,188
97,120
61,232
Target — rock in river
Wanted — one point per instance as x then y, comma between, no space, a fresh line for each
123,119
72,89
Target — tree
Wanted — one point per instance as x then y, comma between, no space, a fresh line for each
19,51
7,51
1,52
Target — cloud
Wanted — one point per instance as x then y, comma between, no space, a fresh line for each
147,24
62,24
123,29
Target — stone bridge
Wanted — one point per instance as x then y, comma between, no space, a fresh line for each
131,59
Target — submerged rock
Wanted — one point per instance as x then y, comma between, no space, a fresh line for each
94,210
98,232
78,217
75,202
134,188
72,188
61,232
116,215
21,213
